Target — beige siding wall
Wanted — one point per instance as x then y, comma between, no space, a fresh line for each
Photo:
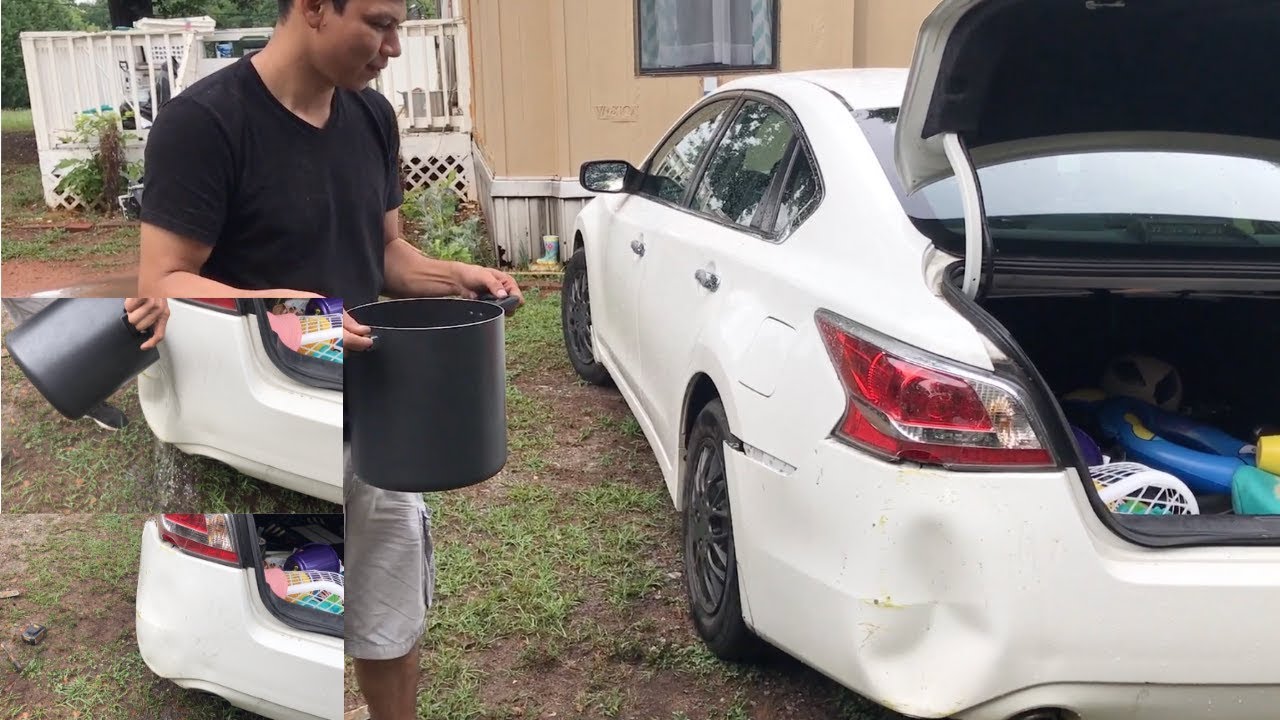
555,81
513,79
885,31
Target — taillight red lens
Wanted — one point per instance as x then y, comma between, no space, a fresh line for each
206,536
907,411
220,303
905,392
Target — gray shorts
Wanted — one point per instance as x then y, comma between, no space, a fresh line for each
390,567
21,309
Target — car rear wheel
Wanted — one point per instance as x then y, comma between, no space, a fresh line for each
710,562
575,321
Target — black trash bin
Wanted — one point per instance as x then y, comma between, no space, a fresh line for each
427,403
79,351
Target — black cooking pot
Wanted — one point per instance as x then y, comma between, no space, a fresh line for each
78,352
428,402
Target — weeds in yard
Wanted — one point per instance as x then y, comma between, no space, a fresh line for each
103,176
23,195
77,580
58,245
431,216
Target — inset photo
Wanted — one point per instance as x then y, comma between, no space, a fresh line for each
152,404
191,616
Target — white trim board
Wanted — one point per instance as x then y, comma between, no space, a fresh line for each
549,186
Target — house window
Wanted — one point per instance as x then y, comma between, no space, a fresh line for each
686,36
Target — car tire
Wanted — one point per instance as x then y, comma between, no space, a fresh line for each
575,322
710,561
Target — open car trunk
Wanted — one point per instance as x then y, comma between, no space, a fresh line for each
298,562
1183,383
315,364
318,360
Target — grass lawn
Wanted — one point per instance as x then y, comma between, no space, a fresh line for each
53,464
16,121
78,575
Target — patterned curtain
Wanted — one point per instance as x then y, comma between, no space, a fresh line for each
677,33
762,32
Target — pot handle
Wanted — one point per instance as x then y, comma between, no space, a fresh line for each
508,303
141,334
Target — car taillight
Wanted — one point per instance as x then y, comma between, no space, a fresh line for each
206,536
219,303
906,405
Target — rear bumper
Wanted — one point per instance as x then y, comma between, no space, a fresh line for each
203,626
984,594
216,393
1133,701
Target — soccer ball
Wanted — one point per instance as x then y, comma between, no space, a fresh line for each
1144,378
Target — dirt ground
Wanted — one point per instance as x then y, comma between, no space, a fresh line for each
77,253
77,575
18,148
68,278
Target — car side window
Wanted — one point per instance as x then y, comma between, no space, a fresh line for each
675,162
743,165
799,195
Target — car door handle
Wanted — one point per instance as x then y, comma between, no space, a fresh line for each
708,280
637,247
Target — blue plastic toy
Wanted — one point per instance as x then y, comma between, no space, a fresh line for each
1203,457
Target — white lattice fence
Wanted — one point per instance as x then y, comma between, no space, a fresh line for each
425,160
428,158
49,159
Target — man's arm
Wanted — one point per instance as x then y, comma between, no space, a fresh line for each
170,267
410,273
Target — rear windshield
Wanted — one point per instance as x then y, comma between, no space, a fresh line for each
1146,204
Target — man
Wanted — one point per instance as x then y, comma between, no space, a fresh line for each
279,176
143,314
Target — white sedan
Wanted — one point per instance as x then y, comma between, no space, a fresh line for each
227,387
207,618
851,311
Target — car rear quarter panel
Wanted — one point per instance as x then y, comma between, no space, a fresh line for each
859,256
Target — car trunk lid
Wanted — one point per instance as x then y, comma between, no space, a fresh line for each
997,81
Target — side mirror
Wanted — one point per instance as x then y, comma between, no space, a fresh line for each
608,176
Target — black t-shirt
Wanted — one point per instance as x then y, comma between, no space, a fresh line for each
284,204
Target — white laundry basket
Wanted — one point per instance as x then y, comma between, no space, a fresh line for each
1135,489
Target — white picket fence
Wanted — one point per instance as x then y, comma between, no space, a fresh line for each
70,73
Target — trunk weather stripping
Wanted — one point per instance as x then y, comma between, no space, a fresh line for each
299,618
306,370
978,250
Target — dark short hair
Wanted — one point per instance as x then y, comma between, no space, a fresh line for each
286,5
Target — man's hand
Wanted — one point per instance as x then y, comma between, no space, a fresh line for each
147,313
475,280
354,335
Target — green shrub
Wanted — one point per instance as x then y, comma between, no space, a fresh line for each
432,214
105,175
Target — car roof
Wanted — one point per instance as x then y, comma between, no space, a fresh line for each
860,88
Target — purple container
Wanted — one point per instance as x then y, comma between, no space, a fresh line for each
313,556
325,306
1092,453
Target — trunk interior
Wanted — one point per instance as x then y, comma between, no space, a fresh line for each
1181,383
303,338
298,560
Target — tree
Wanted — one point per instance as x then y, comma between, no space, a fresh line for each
16,17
